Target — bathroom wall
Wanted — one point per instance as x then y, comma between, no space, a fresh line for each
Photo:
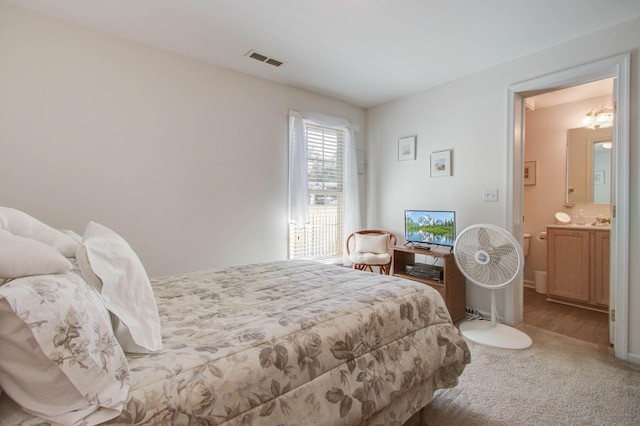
545,143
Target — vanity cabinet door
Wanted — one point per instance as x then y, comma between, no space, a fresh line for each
568,264
601,268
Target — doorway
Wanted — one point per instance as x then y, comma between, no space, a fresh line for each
617,68
557,144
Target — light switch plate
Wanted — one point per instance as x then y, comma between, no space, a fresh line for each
490,195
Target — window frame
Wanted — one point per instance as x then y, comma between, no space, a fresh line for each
321,239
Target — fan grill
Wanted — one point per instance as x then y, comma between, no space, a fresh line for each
504,261
490,257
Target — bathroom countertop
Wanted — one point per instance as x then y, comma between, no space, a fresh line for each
588,226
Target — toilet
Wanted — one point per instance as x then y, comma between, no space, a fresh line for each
525,243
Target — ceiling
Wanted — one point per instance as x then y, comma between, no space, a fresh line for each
365,52
572,94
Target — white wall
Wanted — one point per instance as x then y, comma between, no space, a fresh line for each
187,161
470,116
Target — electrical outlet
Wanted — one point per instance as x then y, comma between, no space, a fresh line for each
490,195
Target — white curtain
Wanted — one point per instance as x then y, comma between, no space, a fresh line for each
298,171
351,192
298,188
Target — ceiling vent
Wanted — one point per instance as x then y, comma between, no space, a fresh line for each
264,58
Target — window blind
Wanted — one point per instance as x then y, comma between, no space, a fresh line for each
321,239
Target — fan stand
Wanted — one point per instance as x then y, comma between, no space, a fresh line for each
491,333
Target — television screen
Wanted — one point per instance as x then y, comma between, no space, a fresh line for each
430,227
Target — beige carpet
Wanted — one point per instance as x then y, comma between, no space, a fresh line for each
557,381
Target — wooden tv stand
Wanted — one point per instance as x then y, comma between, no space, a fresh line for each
452,287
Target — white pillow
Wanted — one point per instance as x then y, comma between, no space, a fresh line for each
23,225
366,243
59,358
77,238
112,268
22,257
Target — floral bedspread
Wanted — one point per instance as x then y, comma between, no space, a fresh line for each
293,343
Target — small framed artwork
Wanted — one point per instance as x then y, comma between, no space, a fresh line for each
598,177
407,148
441,163
529,172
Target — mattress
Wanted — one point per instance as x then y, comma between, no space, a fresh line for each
289,342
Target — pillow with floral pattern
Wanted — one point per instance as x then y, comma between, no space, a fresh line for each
59,358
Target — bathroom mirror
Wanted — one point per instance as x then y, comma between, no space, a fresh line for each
588,178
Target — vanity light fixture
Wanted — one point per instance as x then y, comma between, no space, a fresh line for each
598,118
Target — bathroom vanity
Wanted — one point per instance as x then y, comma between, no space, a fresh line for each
578,265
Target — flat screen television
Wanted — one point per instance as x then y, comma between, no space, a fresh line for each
429,227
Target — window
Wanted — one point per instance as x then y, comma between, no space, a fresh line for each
322,238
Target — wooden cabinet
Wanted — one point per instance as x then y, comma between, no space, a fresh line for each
568,263
578,265
453,285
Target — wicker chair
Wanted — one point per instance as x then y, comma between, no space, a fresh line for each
371,247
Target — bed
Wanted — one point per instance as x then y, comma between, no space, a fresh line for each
287,342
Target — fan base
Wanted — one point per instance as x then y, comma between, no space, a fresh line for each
500,336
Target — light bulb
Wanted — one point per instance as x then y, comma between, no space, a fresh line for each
587,120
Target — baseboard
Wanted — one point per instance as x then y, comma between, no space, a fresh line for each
634,358
577,305
529,283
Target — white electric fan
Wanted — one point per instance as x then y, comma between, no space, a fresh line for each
490,257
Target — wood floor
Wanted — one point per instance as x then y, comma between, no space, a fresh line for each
582,324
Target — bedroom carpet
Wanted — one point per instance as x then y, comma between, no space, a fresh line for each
557,381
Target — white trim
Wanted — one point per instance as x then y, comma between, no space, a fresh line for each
620,196
618,67
324,120
514,294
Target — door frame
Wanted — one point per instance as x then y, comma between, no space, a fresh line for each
617,67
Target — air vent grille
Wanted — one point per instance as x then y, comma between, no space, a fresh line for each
264,58
273,62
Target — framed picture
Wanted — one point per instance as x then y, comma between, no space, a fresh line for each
598,177
407,148
441,163
529,172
